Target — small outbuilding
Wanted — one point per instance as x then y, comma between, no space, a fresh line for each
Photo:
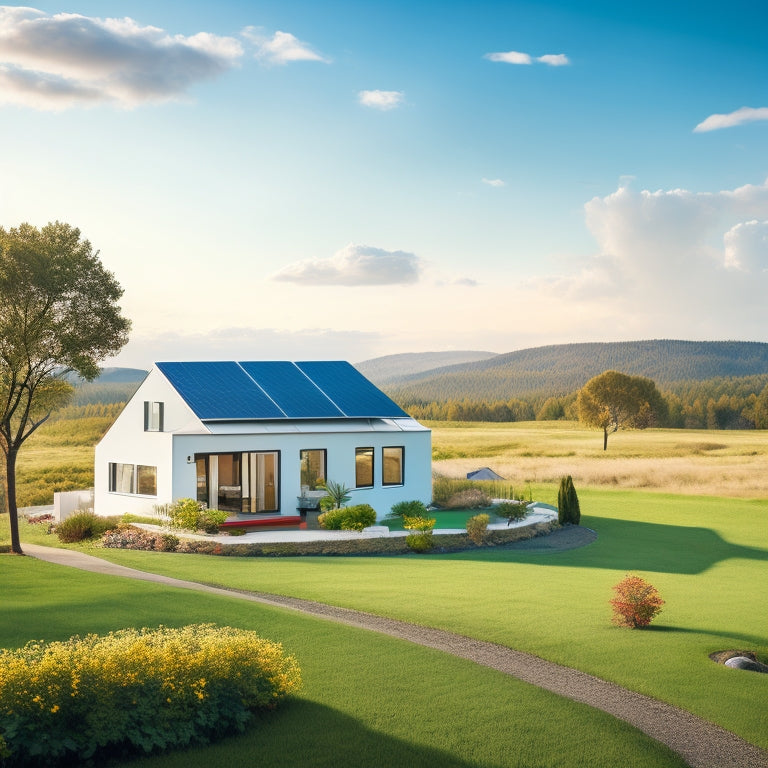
483,474
259,438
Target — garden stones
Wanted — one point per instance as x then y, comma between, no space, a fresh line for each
744,662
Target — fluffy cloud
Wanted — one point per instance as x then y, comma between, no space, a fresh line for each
746,246
494,182
518,57
739,117
383,100
281,48
58,61
355,265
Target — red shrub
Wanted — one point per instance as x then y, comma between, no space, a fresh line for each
636,603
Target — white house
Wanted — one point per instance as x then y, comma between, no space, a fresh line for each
255,438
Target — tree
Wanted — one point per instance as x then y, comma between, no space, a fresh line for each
613,400
58,315
568,508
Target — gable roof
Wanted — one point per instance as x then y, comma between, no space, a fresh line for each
277,390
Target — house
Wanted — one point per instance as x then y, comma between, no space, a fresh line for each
255,438
486,473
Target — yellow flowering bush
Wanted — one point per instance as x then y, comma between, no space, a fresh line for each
422,540
136,690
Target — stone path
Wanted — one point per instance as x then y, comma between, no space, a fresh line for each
701,744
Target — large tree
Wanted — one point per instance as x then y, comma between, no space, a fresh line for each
613,400
59,314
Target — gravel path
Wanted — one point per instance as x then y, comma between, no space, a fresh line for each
701,744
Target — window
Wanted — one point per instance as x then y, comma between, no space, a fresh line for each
153,416
140,479
312,468
239,482
363,467
392,463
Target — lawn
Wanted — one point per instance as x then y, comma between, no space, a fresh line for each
705,555
368,700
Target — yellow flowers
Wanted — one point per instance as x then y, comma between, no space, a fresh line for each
162,686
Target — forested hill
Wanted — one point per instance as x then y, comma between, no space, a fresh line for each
564,368
392,368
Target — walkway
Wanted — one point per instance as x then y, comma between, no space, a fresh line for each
701,744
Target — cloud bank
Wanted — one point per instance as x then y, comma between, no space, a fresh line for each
355,265
384,100
518,57
54,62
739,117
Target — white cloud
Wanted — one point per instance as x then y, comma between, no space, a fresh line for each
739,117
554,59
54,62
518,57
355,265
281,48
383,100
509,57
746,246
494,182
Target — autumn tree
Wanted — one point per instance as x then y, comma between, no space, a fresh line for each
58,314
614,400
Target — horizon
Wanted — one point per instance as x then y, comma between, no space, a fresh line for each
295,181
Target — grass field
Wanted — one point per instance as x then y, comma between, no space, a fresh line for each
368,700
706,553
730,463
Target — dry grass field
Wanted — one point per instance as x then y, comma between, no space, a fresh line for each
708,462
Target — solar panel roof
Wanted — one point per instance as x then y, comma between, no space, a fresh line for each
234,391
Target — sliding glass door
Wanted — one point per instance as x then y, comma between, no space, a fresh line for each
239,482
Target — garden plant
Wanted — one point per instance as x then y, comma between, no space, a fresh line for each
636,602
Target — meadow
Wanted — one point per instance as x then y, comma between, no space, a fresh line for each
371,700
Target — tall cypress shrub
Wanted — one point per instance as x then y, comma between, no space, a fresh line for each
574,510
563,514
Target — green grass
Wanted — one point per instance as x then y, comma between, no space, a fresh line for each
706,556
368,700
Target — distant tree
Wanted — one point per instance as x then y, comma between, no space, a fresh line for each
761,409
58,314
614,400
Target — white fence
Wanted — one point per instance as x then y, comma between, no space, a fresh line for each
66,503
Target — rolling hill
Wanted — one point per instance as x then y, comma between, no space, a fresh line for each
564,368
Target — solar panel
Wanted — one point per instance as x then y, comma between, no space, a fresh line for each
220,390
350,390
297,396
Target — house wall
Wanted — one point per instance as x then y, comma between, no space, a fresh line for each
126,442
340,463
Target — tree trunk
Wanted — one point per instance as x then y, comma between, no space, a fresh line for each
9,483
605,438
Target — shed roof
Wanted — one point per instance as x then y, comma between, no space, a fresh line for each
277,390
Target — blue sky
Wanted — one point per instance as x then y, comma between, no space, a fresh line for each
307,180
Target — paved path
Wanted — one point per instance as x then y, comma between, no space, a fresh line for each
701,744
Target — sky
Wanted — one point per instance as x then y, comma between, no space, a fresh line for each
345,180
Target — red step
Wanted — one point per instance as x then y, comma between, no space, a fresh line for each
258,522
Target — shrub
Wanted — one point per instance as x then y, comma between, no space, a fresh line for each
471,498
477,527
84,525
420,542
348,518
87,699
636,603
337,495
409,509
127,537
512,511
191,515
568,509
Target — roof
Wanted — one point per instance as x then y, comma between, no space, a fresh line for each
483,474
277,390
